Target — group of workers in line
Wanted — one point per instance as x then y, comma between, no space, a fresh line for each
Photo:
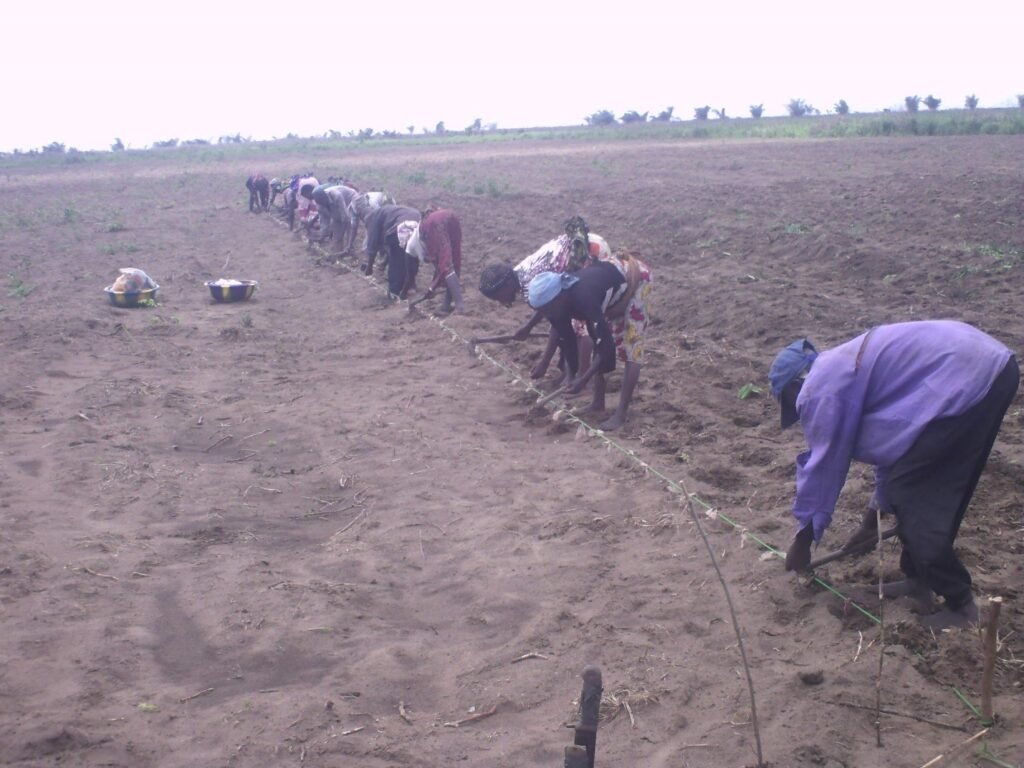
921,401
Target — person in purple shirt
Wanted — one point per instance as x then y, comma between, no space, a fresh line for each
923,403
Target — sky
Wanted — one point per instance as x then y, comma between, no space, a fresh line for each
85,73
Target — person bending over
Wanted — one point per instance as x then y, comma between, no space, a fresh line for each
587,296
388,229
259,193
920,401
332,201
438,241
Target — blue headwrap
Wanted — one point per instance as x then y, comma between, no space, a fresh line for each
546,286
790,363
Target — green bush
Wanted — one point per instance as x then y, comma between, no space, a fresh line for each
602,117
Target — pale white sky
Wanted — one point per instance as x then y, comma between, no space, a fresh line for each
83,73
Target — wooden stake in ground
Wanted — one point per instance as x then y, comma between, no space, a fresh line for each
589,712
989,647
881,631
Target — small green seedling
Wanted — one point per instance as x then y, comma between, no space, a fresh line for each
747,390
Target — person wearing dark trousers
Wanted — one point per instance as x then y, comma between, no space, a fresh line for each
388,229
259,193
922,402
589,297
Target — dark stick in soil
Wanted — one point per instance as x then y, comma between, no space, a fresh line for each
881,632
589,712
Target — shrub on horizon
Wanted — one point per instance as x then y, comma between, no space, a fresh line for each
601,117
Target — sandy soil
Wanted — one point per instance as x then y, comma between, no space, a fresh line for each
311,529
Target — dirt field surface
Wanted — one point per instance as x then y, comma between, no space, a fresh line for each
312,530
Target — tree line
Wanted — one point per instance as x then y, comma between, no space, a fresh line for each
795,108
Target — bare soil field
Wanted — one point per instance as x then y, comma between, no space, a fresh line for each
312,530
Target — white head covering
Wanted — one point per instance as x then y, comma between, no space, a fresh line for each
416,247
405,230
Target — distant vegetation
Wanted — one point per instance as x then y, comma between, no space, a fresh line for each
799,108
804,122
603,117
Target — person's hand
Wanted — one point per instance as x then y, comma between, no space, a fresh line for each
429,294
575,387
538,370
799,555
521,335
367,269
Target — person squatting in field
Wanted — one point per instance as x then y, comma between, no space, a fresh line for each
922,402
259,193
438,241
612,309
388,230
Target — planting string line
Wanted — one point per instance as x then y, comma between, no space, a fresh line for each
674,486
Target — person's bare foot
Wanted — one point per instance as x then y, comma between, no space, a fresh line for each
948,618
922,598
613,422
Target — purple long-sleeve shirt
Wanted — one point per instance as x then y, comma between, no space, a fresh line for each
869,399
